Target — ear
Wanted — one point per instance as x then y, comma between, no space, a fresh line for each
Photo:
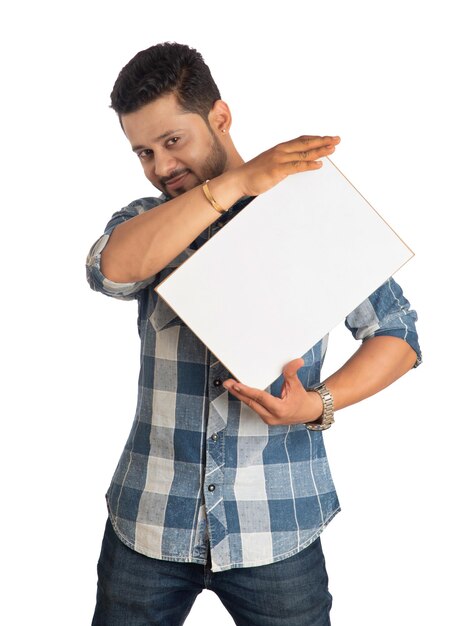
220,117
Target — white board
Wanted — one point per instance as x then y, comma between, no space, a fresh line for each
283,272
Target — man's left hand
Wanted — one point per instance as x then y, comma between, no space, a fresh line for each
295,405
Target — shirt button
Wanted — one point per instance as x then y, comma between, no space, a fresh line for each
214,437
217,382
211,487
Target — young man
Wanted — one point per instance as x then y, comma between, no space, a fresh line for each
220,486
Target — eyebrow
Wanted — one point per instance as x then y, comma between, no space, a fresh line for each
163,136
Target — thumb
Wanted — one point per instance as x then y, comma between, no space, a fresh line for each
290,370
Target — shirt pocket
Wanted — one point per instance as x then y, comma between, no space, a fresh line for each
164,316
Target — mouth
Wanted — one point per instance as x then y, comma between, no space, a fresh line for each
177,181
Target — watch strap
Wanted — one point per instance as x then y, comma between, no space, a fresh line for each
327,418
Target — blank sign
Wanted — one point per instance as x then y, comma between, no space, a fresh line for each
283,272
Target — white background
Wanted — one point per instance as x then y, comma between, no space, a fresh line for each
381,75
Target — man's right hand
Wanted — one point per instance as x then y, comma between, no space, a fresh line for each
271,167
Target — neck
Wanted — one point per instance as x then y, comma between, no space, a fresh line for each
234,158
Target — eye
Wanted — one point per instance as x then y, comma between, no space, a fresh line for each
172,141
144,155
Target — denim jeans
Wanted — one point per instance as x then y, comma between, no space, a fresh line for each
135,590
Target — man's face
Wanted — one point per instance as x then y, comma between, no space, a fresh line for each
178,151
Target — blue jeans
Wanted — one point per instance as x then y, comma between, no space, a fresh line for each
135,590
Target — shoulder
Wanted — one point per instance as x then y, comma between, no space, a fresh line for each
134,208
145,204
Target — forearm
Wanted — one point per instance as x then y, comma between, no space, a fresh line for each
377,363
145,244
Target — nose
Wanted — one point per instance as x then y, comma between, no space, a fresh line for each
165,163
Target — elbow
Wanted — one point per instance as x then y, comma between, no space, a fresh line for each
112,269
115,265
125,270
126,261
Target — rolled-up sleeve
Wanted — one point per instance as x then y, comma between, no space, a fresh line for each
386,312
96,279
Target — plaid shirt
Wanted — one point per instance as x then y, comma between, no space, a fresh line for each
200,469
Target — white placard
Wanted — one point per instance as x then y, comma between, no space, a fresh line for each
283,272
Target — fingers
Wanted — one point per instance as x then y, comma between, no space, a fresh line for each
306,144
269,408
259,401
297,155
303,153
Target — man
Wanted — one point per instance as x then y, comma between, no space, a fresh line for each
220,486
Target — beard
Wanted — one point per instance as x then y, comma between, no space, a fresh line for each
214,165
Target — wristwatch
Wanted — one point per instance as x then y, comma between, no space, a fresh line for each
327,417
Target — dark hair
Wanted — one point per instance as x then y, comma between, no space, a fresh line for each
163,69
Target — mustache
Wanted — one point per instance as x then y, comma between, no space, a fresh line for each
174,174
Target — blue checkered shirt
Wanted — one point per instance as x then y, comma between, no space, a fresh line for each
200,470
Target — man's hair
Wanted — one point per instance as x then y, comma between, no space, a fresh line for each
166,68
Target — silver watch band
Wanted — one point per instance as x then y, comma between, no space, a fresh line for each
327,418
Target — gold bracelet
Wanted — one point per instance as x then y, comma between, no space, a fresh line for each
211,199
